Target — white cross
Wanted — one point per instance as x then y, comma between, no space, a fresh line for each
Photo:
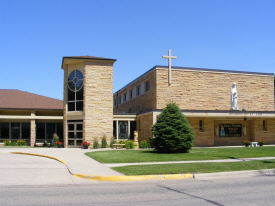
169,57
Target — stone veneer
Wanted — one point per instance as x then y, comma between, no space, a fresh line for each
199,90
144,102
98,107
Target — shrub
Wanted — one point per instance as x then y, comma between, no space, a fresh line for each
144,144
55,139
13,143
122,142
7,142
112,142
172,131
129,145
104,142
21,143
95,144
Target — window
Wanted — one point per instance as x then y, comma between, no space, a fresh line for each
125,97
75,91
119,100
201,125
147,86
4,130
114,102
45,131
264,125
139,90
15,130
131,94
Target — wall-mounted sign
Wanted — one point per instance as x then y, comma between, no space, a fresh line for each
230,130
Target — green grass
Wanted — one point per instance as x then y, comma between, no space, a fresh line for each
130,156
195,167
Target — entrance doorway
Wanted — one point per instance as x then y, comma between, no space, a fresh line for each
75,134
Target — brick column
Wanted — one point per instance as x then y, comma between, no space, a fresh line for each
32,134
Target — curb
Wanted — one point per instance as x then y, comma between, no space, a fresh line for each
41,156
133,178
244,173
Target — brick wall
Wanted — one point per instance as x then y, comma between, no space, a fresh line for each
98,101
205,138
196,90
144,124
144,102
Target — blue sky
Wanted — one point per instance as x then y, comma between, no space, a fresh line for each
214,34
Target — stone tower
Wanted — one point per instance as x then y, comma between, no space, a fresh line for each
87,100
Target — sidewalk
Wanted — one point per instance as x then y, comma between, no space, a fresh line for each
178,162
76,161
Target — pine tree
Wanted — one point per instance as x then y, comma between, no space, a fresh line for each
172,131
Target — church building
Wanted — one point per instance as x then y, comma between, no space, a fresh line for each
223,107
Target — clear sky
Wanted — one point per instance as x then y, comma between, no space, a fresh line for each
215,34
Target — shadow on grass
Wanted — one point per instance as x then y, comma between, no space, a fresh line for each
268,162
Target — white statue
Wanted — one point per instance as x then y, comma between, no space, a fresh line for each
234,97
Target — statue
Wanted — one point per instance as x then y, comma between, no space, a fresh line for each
234,97
136,139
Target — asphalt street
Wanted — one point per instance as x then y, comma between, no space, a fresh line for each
232,191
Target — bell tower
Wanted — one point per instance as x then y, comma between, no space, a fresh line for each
87,99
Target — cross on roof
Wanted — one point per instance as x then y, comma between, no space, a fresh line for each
169,57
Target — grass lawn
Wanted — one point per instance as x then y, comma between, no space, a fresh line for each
129,156
195,167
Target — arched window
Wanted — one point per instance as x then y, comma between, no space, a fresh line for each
75,91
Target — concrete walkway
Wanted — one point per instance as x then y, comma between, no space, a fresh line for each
178,162
76,161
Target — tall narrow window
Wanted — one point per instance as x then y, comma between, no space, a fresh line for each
131,94
119,100
201,125
139,90
147,86
125,97
75,91
264,125
114,102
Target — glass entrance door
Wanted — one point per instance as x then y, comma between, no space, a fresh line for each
75,134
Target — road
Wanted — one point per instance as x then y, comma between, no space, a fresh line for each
233,191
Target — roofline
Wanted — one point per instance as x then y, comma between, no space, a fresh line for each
86,58
213,111
31,109
196,69
135,79
215,70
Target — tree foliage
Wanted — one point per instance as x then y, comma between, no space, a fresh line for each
172,131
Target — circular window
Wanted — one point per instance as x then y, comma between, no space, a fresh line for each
75,81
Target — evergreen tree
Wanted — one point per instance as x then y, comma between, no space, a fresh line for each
172,131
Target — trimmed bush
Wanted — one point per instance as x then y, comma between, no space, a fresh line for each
129,145
104,143
112,142
172,131
95,144
144,144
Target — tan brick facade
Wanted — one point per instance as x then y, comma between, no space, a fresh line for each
198,90
97,114
144,102
98,107
207,90
144,124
